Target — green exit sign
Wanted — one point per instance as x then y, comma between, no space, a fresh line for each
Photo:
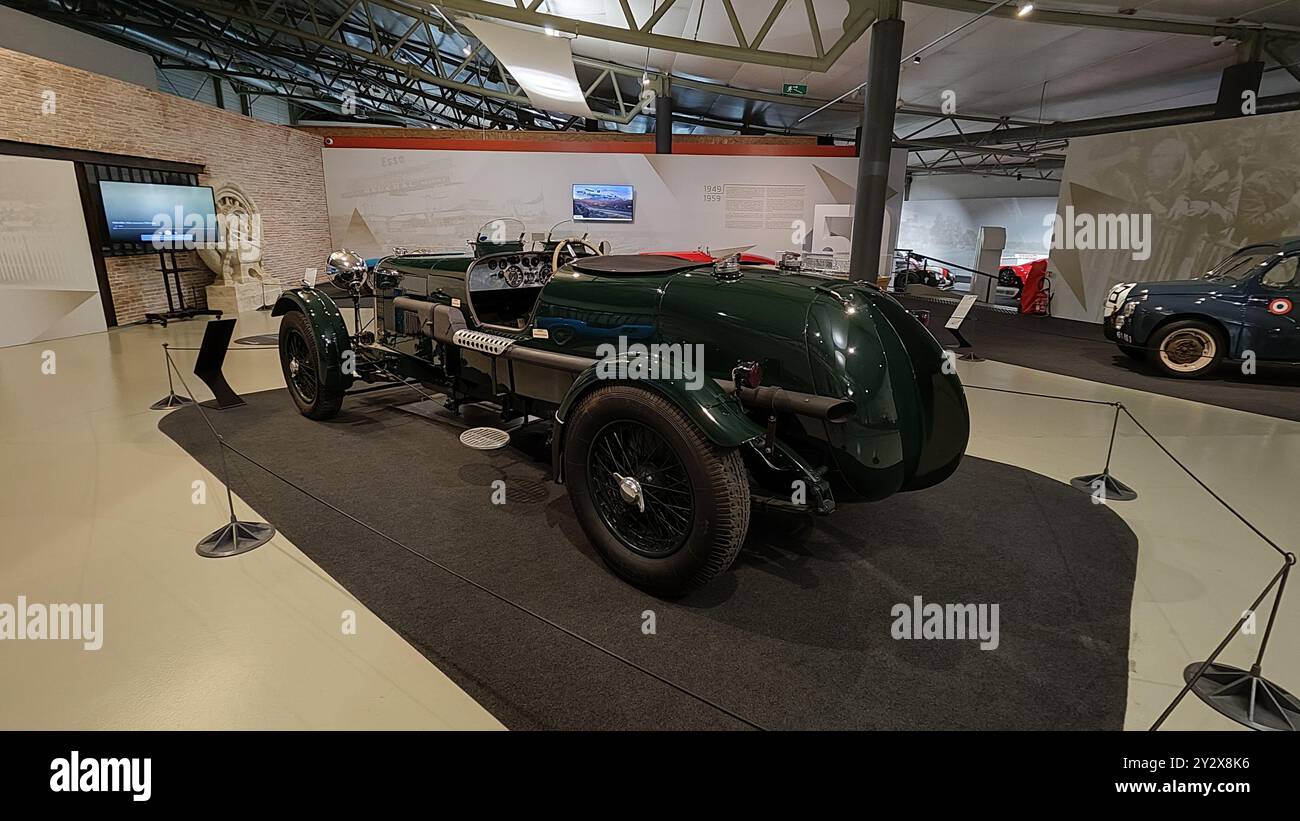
796,89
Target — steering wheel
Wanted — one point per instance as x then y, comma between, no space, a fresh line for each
565,243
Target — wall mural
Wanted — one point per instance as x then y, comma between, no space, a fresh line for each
949,229
1204,189
48,286
380,199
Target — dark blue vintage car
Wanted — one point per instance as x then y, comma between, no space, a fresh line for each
1243,308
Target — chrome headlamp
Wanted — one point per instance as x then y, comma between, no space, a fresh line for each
346,269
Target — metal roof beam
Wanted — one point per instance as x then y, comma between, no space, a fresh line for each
1132,22
861,14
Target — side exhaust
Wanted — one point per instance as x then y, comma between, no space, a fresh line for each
445,324
804,404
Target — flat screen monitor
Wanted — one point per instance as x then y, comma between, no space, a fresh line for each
157,214
602,203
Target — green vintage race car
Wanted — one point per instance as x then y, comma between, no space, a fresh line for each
678,392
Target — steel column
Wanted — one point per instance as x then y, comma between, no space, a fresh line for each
875,146
664,124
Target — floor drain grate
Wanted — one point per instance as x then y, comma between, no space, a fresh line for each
485,438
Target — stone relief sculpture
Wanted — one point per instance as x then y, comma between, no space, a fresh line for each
241,283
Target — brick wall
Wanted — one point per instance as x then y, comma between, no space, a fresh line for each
137,285
279,167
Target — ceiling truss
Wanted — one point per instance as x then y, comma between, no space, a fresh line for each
407,63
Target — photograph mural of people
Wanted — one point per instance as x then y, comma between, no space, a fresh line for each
1205,189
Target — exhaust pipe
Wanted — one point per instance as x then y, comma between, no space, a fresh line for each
804,404
442,323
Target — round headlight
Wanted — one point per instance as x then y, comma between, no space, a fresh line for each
346,269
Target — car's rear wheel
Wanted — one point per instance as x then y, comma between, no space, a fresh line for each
666,508
300,360
1188,348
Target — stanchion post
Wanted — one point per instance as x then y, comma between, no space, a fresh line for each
171,400
236,536
1244,696
263,306
1102,484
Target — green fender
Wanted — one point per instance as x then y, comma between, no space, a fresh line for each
717,413
331,332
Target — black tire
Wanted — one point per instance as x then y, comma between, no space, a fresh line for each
1187,348
1007,279
690,548
298,343
1134,352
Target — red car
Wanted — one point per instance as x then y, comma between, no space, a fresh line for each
1033,289
1014,276
700,256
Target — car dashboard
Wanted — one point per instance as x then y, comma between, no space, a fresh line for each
506,271
503,288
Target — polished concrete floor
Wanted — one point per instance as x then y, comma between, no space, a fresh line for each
98,506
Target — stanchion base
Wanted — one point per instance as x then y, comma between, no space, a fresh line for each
1245,697
234,538
170,401
1115,489
965,355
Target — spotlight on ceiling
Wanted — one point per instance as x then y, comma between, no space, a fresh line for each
917,59
467,50
1024,9
645,80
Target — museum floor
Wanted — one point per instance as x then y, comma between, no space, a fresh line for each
97,506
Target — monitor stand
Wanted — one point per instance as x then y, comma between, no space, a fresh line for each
176,308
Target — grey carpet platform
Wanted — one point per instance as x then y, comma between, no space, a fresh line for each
1079,349
796,635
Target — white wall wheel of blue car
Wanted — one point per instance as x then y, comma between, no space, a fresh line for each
666,508
1188,348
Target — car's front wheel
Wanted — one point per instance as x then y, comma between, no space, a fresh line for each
1188,348
300,360
666,508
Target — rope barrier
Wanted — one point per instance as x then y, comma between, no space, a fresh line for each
224,445
1288,557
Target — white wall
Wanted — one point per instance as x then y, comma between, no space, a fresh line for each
48,286
40,38
975,186
949,228
381,198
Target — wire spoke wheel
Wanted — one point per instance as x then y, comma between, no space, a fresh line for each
306,364
301,366
641,489
666,508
